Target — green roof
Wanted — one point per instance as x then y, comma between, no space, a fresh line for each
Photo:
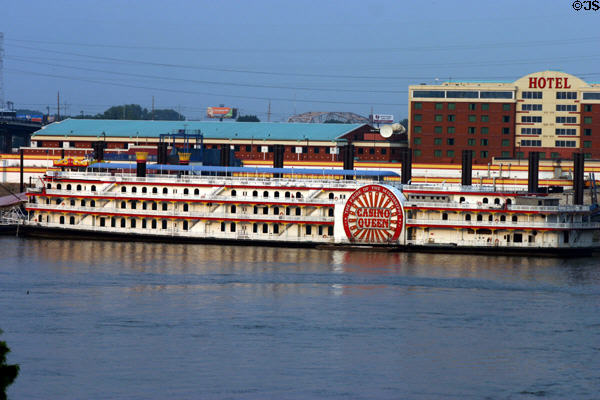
96,128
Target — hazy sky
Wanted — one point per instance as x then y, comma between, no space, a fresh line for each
303,55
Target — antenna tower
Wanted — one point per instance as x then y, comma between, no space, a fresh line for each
1,70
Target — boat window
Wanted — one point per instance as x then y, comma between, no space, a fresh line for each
165,191
254,193
49,186
255,210
72,202
331,196
518,237
265,210
40,218
59,186
154,190
479,217
445,216
233,193
72,220
255,228
122,222
298,195
123,204
62,219
196,191
144,189
276,194
288,210
491,218
134,189
133,205
468,217
508,202
78,187
462,200
154,207
496,201
330,230
186,191
265,194
102,222
82,203
485,200
308,230
164,206
503,218
69,187
514,218
113,222
153,224
93,188
275,210
144,205
330,213
144,226
123,189
265,228
186,207
287,194
222,226
132,223
298,211
232,227
276,228
185,225
164,224
233,209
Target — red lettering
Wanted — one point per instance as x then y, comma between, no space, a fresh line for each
533,83
567,86
559,83
387,213
359,222
541,83
550,80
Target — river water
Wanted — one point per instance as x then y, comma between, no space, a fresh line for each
96,320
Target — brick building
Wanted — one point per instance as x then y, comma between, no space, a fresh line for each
551,112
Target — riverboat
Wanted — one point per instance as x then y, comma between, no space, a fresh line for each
295,207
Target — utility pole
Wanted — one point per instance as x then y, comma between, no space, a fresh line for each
58,106
269,112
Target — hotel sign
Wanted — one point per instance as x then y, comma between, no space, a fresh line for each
549,83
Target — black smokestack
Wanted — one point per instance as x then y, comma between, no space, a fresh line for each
467,167
533,172
578,168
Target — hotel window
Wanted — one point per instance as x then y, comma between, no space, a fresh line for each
587,144
450,153
360,149
439,106
566,95
484,142
520,154
505,107
566,120
429,93
531,131
471,130
587,108
417,129
418,105
531,143
437,129
505,154
531,119
383,151
485,118
418,153
565,143
451,117
248,149
496,95
531,107
505,131
450,142
587,120
417,141
471,142
554,155
472,106
451,129
566,132
316,150
531,95
372,150
485,107
437,153
451,106
505,142
437,141
587,155
472,118
566,107
438,117
587,132
485,130
462,94
506,118
418,117
483,154
591,96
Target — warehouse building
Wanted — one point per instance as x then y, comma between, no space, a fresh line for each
550,112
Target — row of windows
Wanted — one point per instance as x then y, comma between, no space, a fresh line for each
531,118
566,132
566,95
531,131
471,130
565,143
591,96
452,106
521,155
566,120
470,142
275,228
566,107
463,94
531,95
531,143
451,153
531,107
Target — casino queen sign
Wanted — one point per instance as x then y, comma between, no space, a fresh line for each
373,214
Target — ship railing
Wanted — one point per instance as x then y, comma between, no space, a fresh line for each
490,244
497,207
118,212
180,196
217,180
504,224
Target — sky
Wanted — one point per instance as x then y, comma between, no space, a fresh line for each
299,56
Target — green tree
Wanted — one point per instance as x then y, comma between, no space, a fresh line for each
247,118
404,123
166,115
8,373
333,121
136,112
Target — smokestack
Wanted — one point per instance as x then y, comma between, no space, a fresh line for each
278,156
62,157
225,151
533,172
98,150
406,161
141,158
467,167
578,168
21,181
348,158
184,158
161,153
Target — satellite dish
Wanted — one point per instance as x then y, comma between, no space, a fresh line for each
386,131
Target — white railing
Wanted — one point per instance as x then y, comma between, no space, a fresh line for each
493,244
497,207
169,213
505,224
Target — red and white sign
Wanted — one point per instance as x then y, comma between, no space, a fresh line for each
383,118
373,214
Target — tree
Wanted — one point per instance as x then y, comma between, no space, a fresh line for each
136,112
247,118
333,121
404,123
8,373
